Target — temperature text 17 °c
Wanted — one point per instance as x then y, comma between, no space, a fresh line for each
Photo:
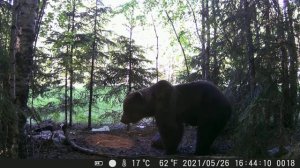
140,162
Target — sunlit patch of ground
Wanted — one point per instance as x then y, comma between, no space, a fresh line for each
109,141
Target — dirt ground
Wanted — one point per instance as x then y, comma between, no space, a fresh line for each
117,141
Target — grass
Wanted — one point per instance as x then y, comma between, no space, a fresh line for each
105,109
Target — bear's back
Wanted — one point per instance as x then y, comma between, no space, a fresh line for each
201,101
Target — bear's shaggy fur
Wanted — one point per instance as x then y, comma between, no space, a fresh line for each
199,104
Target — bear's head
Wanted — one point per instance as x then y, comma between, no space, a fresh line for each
134,108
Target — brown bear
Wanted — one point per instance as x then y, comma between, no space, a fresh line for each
199,104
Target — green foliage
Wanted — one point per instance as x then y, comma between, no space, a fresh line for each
223,46
116,72
132,12
111,117
258,126
110,65
50,105
8,111
8,127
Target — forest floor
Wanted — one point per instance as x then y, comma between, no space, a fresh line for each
118,141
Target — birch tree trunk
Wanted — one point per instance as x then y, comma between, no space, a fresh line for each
23,36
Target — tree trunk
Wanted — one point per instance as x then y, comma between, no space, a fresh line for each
293,68
66,93
130,71
195,20
203,41
92,68
284,68
250,46
13,48
71,64
269,57
178,39
157,49
23,35
207,50
215,69
40,15
66,74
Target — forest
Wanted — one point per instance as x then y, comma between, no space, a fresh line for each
66,67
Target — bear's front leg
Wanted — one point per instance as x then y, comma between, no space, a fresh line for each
171,135
156,142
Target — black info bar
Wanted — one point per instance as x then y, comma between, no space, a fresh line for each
146,162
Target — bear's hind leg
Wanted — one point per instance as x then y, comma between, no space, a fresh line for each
205,138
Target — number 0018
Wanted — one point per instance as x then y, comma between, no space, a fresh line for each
285,163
